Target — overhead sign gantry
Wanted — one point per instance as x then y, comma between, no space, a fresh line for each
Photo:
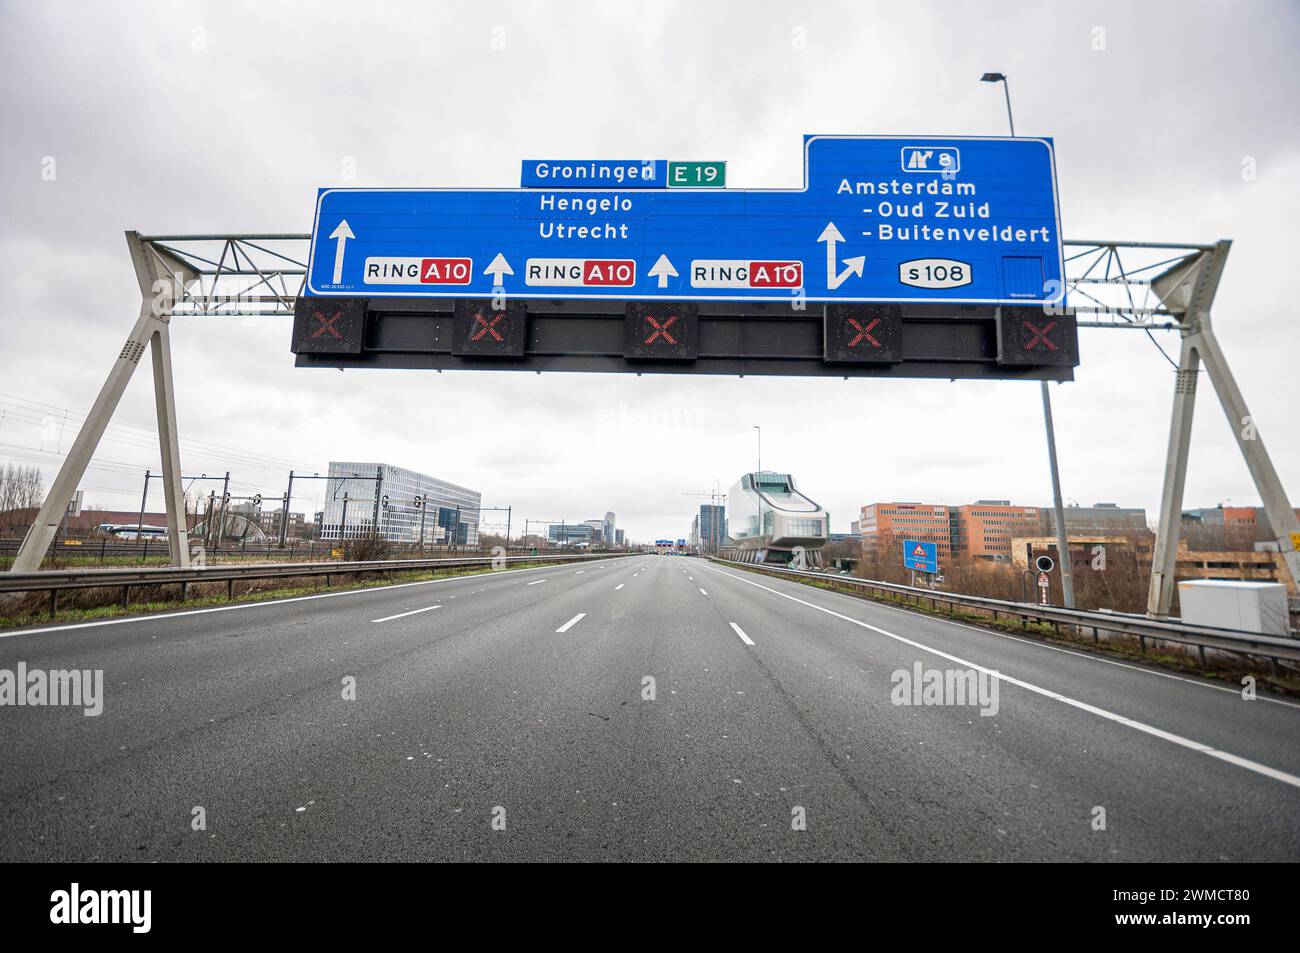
970,221
907,257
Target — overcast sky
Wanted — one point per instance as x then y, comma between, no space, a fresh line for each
211,117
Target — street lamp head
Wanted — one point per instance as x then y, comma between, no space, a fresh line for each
993,78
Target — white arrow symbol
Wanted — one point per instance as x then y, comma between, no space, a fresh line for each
341,236
663,270
831,235
498,268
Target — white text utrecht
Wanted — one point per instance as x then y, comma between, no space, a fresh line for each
589,206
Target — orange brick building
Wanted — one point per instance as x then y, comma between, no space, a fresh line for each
980,530
985,528
928,522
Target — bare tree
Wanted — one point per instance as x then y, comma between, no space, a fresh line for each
20,488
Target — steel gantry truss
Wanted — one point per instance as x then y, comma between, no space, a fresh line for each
258,275
1144,286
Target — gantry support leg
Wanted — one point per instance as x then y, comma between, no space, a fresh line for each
1190,287
158,275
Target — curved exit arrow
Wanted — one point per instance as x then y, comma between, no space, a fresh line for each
831,236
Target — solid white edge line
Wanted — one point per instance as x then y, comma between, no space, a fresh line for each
571,623
1088,656
258,605
1169,736
403,615
741,632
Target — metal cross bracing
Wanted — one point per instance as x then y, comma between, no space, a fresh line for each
250,275
1111,284
254,275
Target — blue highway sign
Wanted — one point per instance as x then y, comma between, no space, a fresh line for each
966,221
920,555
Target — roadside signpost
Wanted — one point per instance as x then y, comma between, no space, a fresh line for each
1044,564
920,556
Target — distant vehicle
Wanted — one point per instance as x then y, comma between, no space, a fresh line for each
133,531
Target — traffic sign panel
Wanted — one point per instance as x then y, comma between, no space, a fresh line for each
925,219
920,555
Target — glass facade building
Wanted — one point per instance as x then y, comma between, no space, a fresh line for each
712,526
571,534
789,520
450,513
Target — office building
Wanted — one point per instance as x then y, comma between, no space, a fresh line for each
928,522
354,506
769,520
1099,518
711,526
979,530
571,534
985,528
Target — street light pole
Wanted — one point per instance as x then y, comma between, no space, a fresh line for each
1058,506
758,494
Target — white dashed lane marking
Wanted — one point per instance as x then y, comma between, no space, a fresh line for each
403,615
571,623
741,632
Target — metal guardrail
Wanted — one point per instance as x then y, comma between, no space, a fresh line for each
102,549
1275,648
62,580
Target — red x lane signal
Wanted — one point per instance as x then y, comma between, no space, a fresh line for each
863,333
327,324
1029,337
488,327
479,330
661,330
1040,335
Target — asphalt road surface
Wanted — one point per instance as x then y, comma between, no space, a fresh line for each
508,717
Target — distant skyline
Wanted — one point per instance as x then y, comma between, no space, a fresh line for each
202,118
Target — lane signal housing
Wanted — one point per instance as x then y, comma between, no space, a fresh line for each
661,331
863,334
